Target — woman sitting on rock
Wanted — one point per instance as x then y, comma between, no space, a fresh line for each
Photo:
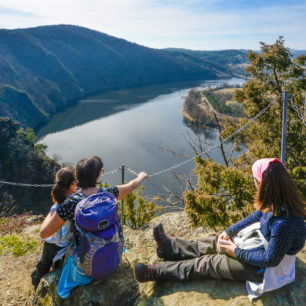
55,246
88,174
260,249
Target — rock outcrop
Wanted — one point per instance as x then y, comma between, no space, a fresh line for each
123,289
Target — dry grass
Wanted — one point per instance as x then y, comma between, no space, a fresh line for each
16,223
226,90
15,274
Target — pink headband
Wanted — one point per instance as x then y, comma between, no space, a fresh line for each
261,165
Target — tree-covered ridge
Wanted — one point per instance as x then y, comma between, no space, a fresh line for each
24,162
43,68
232,62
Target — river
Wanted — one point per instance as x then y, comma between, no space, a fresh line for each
140,128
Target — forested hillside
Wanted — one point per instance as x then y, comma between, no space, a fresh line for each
22,161
42,69
232,62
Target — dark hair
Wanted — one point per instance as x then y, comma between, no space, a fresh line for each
88,171
278,193
63,180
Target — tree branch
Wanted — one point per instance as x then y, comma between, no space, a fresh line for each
221,146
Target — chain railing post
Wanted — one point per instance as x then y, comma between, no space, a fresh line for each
284,127
122,201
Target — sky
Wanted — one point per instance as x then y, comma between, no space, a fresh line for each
190,24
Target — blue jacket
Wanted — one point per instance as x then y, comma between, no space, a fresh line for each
285,234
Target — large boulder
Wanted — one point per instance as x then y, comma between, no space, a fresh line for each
120,289
123,289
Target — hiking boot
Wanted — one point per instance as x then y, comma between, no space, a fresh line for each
35,279
163,242
145,273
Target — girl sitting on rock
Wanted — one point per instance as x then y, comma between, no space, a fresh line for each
88,173
261,249
55,246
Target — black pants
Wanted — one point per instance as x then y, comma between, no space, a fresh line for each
199,259
46,261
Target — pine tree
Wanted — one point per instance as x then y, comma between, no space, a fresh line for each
223,193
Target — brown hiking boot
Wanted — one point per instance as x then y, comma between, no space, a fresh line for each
145,273
163,242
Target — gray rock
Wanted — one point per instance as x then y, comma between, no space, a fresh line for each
35,218
120,289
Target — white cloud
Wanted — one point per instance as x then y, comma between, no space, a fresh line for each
166,23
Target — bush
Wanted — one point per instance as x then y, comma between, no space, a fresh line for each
137,210
17,246
222,195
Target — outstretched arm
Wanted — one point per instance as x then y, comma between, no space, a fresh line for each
126,189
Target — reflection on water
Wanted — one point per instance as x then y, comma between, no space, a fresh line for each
199,129
130,127
105,104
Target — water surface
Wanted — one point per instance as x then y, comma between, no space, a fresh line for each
134,127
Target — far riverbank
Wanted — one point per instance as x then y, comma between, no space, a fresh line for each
211,107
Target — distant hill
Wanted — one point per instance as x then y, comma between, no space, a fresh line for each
297,53
42,69
230,61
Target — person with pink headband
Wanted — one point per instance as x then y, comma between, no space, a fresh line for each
260,249
261,165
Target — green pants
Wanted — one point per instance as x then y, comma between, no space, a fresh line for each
192,260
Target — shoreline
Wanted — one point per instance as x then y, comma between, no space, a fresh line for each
197,110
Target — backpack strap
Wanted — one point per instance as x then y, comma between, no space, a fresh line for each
66,255
78,196
75,198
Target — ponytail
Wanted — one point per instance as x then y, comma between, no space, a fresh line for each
64,178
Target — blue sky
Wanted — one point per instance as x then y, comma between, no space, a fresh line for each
192,24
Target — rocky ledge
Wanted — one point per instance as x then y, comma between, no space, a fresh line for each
123,289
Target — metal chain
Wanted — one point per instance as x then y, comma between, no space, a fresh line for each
47,185
295,107
110,172
131,171
26,185
211,148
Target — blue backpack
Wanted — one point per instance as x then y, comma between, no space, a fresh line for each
101,240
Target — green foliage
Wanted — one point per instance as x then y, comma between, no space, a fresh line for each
16,245
22,161
224,193
30,135
222,196
299,175
40,148
222,101
137,210
219,107
274,71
